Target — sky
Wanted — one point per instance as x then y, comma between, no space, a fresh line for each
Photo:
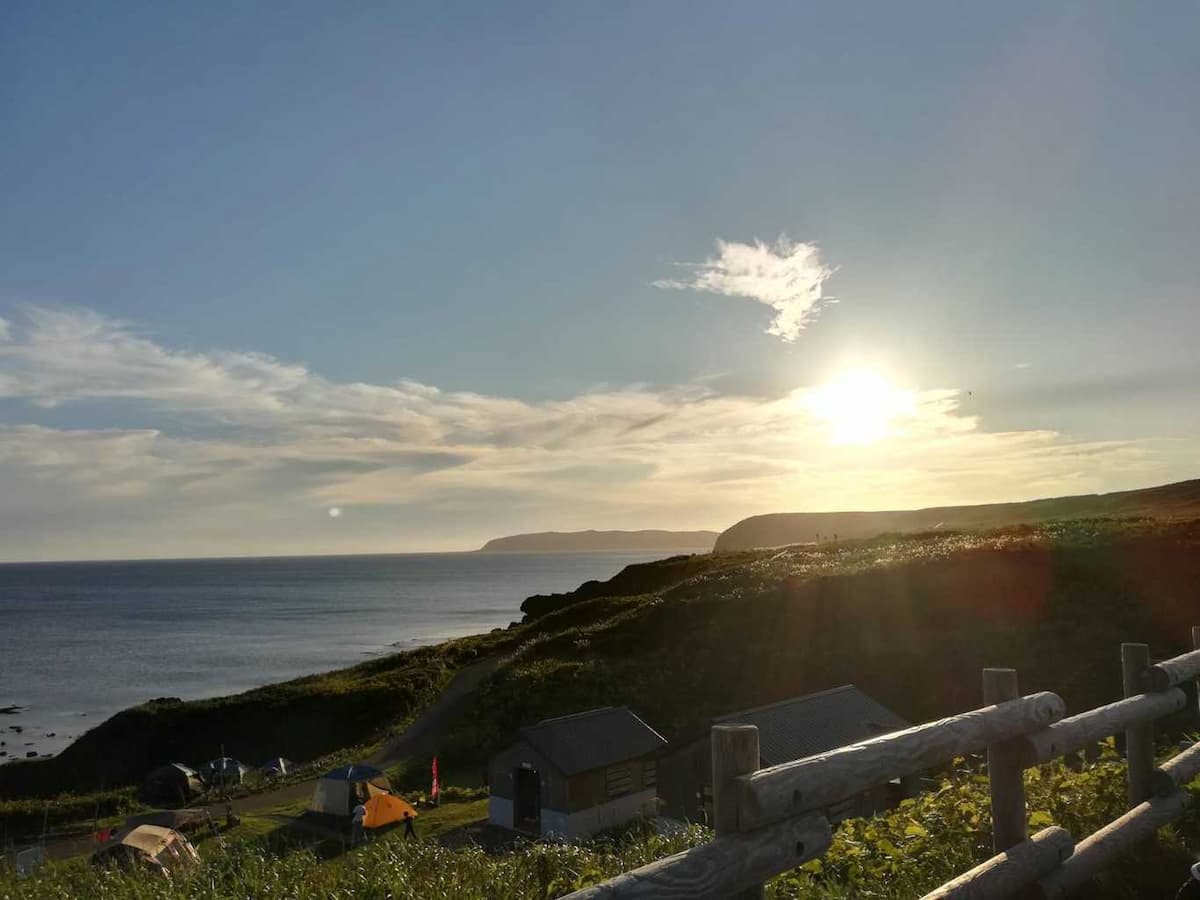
331,278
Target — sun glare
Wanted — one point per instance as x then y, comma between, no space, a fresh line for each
860,405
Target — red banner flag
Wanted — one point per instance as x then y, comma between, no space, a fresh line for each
436,789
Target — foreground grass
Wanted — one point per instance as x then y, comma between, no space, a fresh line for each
391,868
902,854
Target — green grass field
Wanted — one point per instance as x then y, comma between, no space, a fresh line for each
901,854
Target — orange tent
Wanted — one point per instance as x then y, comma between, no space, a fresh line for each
383,809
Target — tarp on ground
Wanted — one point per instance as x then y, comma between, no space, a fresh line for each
384,809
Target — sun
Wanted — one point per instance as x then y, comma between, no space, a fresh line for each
860,405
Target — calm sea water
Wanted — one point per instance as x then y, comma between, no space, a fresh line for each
80,641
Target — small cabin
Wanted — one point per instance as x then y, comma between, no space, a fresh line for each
787,730
573,776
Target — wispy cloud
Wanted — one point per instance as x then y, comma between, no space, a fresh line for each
787,276
238,452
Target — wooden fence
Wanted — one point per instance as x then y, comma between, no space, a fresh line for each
768,821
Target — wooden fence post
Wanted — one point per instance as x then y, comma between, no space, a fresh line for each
734,753
1005,776
1195,710
1139,740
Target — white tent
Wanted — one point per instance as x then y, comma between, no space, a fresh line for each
277,767
337,792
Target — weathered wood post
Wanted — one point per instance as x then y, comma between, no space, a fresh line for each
1195,710
734,753
1139,740
1005,775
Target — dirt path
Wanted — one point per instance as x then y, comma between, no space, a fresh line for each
420,736
425,731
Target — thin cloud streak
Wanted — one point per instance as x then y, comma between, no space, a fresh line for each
242,453
787,276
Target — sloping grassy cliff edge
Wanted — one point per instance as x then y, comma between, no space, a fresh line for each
909,618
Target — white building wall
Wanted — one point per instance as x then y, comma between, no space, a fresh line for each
556,825
587,822
500,811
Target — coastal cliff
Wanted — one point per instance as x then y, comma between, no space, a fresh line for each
1179,500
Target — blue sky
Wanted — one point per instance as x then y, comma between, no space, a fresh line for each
486,199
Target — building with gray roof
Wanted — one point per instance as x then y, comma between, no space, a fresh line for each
574,775
787,730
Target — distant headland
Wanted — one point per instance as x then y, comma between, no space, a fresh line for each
582,541
1179,500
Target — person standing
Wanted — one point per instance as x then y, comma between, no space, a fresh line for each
409,831
356,824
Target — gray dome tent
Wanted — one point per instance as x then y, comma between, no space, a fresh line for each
172,783
224,772
339,790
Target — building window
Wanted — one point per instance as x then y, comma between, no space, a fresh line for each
619,780
649,773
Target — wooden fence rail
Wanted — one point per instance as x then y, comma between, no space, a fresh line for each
721,868
768,821
1009,872
817,782
1073,734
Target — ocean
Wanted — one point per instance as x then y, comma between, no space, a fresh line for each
81,641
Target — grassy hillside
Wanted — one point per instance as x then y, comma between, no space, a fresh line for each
1180,500
912,619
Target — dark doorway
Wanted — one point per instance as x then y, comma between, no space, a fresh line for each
527,805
